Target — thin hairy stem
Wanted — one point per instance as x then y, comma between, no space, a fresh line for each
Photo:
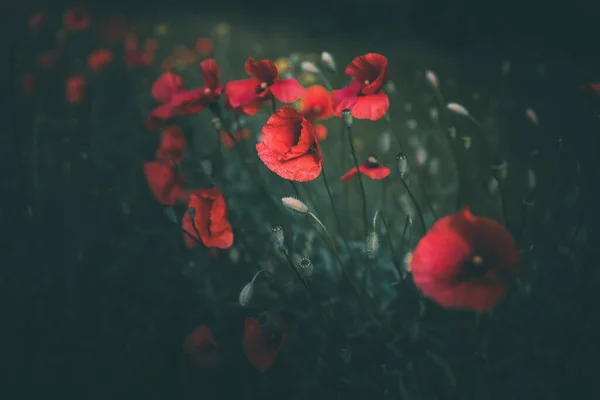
412,197
360,179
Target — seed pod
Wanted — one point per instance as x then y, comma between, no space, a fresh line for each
347,117
305,267
402,163
278,237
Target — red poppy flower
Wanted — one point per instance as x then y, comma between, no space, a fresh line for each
36,20
263,338
75,89
202,347
210,220
48,59
317,104
28,83
364,95
99,59
465,261
77,19
204,47
264,85
371,168
289,147
172,145
164,184
238,136
165,86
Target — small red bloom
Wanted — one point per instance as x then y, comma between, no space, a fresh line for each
263,86
210,220
289,147
37,20
165,86
164,184
99,59
77,19
238,136
465,261
172,145
204,47
317,104
75,89
263,338
364,95
202,347
371,168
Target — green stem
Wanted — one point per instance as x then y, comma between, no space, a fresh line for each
362,186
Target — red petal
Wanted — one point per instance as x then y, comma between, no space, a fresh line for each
592,87
370,67
263,70
317,102
346,97
373,106
348,176
320,132
376,173
259,348
287,90
165,86
163,184
210,73
195,344
302,169
241,92
172,145
251,108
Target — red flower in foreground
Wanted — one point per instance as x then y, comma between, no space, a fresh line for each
75,89
265,84
99,59
289,147
77,19
465,261
371,168
202,347
172,145
164,184
364,95
209,220
317,104
263,338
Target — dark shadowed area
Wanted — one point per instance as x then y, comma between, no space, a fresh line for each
99,292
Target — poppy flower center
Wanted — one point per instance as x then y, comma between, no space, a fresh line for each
207,91
367,82
372,162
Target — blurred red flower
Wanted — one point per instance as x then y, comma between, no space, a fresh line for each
263,338
364,95
136,57
209,220
37,20
202,347
465,262
99,59
77,19
289,147
75,89
204,47
164,184
265,84
372,168
317,104
172,145
28,82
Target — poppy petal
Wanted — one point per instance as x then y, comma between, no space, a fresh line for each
211,74
163,184
287,90
262,70
302,169
241,92
320,132
165,86
372,107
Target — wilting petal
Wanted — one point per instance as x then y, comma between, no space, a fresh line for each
172,145
261,348
241,92
287,90
302,169
202,347
372,107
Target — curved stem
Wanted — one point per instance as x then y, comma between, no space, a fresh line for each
412,197
389,239
362,186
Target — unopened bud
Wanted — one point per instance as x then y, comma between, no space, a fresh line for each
432,79
328,61
278,237
347,116
307,66
458,109
295,205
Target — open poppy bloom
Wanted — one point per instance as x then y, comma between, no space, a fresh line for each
364,96
263,338
371,168
198,99
163,89
317,104
172,145
202,347
99,59
209,220
465,262
77,19
164,184
75,89
289,147
264,85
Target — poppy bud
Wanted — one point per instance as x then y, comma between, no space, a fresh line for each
216,122
278,238
305,267
347,116
532,116
499,169
268,323
458,109
308,66
295,205
432,79
372,245
328,61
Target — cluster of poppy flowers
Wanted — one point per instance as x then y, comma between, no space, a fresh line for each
462,262
263,338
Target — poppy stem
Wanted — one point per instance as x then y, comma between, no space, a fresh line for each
502,190
412,197
407,223
274,103
389,238
293,267
362,186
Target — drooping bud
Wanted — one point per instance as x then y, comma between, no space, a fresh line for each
295,205
347,116
458,109
372,245
305,267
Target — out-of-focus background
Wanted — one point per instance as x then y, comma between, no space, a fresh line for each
80,351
